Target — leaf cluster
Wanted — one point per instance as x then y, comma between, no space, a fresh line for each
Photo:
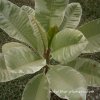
49,33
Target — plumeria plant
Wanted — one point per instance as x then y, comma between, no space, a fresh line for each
51,41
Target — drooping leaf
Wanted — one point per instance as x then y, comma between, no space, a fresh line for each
37,89
67,45
50,12
91,31
89,68
72,16
15,22
17,60
67,83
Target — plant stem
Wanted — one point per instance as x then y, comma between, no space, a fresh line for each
47,56
46,68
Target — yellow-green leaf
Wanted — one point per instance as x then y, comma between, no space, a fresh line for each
91,31
50,13
67,83
17,60
37,89
67,45
72,16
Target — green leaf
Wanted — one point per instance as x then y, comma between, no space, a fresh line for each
91,31
89,68
39,31
51,33
28,10
67,83
15,22
67,45
40,35
72,16
50,13
37,89
17,60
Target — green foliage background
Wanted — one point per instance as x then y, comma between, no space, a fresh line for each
13,90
